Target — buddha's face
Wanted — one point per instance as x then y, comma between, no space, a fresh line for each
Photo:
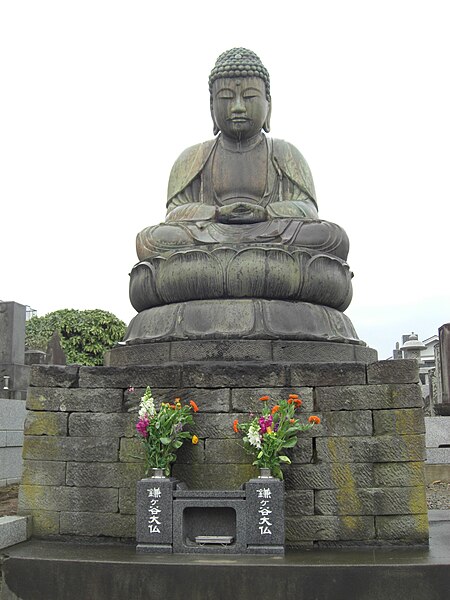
239,106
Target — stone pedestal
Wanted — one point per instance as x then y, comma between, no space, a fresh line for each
355,479
154,497
171,518
241,319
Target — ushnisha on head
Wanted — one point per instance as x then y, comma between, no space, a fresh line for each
237,63
239,86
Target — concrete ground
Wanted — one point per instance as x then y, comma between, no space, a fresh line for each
44,570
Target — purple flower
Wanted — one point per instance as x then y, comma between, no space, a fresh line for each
264,423
141,426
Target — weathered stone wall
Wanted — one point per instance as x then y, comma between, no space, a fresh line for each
355,479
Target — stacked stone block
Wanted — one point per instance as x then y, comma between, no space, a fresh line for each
12,415
438,440
356,479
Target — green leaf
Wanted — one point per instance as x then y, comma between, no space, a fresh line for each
165,441
277,472
285,459
290,443
292,429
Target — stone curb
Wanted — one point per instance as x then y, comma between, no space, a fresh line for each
13,530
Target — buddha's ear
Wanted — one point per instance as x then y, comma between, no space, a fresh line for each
216,128
266,124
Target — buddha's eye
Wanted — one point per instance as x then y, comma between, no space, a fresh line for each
251,93
225,95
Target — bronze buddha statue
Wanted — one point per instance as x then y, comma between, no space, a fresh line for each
241,177
242,230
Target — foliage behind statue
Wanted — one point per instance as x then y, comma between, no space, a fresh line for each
85,335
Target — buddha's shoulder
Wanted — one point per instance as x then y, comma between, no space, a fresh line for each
188,165
286,151
292,163
195,154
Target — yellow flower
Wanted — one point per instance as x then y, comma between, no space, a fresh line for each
194,439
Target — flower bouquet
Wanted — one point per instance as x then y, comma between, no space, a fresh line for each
266,436
162,432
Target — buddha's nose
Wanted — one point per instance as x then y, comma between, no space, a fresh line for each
238,105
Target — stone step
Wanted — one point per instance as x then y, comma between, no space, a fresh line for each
45,570
13,530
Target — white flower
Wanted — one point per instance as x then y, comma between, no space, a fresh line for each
147,407
253,436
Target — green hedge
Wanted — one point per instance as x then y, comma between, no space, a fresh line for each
85,334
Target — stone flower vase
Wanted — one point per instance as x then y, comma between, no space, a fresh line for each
264,473
157,473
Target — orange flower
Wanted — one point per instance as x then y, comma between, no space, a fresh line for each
236,426
194,439
194,406
290,401
297,402
292,421
172,406
275,409
314,420
293,396
264,398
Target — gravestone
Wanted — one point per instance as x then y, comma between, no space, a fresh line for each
13,384
12,350
55,353
444,348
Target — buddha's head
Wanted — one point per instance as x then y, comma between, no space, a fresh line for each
239,85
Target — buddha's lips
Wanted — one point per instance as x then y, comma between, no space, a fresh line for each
238,120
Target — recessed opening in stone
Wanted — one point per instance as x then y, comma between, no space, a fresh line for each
209,522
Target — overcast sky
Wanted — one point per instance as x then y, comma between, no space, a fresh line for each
98,98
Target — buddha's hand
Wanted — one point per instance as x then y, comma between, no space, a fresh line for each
241,212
